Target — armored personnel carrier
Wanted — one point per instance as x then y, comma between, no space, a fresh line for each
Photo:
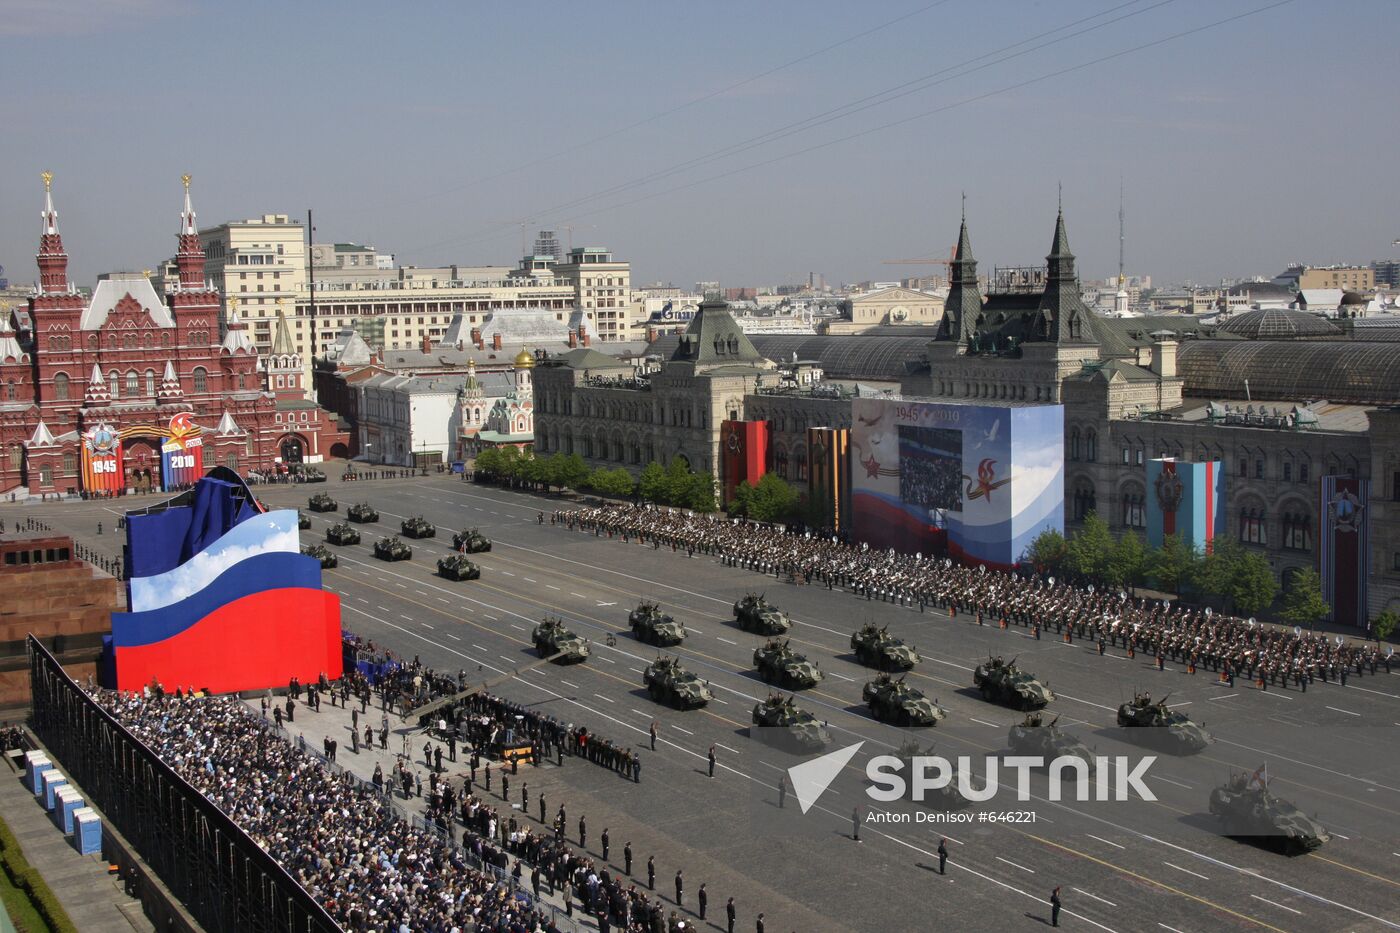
1248,811
362,513
311,474
470,541
418,527
322,553
784,724
895,702
757,614
457,567
1034,736
322,503
651,625
392,548
551,637
343,534
669,683
878,648
1010,686
303,520
778,663
947,797
1160,727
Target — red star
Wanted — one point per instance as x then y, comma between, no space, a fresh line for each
872,467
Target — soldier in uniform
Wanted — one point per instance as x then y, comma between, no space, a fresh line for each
627,858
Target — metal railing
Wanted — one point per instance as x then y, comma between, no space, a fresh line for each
211,865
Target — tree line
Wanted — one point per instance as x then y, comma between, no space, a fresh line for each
1238,578
675,485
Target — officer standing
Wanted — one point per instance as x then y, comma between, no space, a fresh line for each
525,798
627,858
703,898
1055,907
651,873
758,924
855,823
652,730
729,913
942,857
604,840
711,757
680,888
582,833
782,791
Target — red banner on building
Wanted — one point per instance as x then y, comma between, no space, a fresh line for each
102,460
743,453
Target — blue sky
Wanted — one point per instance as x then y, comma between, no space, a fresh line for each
431,130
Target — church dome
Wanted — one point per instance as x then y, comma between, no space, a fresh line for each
524,359
1279,324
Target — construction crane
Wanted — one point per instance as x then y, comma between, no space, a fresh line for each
946,263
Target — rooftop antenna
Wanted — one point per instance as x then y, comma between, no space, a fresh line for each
1120,231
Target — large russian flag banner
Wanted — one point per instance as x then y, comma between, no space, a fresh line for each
239,610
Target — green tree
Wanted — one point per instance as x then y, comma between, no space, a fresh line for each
1047,551
1303,603
1252,585
1090,548
1383,625
651,486
678,483
1172,565
488,462
572,471
1242,579
510,462
700,495
771,499
616,482
1128,562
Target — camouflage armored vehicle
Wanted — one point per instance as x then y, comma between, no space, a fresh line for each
1010,686
1033,736
947,797
1248,811
322,503
457,567
342,534
784,724
470,541
778,663
757,614
311,474
322,553
418,527
669,683
651,625
362,513
303,520
1162,728
551,637
878,648
392,548
895,702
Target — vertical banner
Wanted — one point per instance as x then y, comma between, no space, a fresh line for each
102,460
182,453
1186,499
829,475
1346,547
743,453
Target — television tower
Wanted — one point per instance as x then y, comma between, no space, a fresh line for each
1120,300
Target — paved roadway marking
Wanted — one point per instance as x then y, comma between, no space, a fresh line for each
1104,841
1186,871
1094,896
1276,904
1014,865
1337,709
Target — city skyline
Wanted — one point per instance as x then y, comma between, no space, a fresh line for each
703,171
